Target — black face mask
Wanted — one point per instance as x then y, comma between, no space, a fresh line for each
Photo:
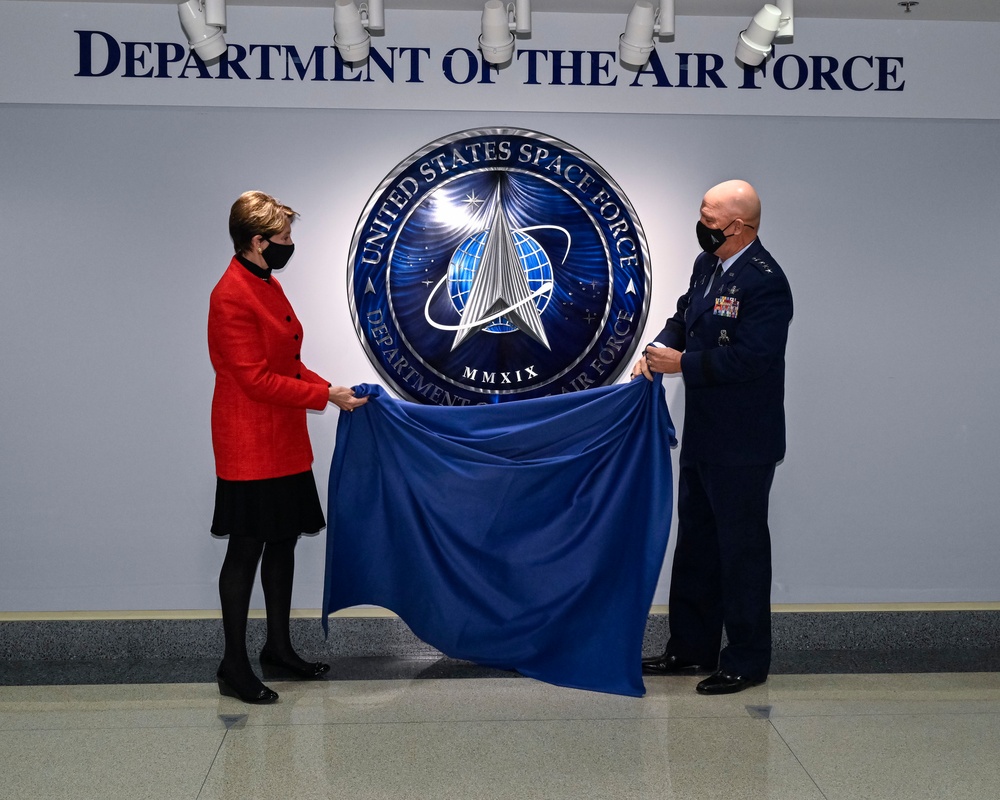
711,239
277,255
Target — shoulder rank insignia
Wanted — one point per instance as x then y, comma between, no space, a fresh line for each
764,266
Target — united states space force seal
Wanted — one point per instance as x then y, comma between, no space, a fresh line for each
498,264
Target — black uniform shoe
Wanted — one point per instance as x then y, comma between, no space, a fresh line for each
723,683
668,664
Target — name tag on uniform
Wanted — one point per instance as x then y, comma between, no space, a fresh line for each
726,307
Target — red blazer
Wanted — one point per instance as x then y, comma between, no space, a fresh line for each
262,388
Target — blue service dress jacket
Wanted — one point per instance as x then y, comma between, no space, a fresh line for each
733,342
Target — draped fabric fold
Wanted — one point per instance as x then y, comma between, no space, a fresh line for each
526,536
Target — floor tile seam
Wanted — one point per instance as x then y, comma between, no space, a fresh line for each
438,721
211,765
91,728
862,715
798,761
106,712
735,713
932,706
773,715
56,706
251,723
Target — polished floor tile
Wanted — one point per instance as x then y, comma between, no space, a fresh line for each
800,737
135,763
931,756
512,760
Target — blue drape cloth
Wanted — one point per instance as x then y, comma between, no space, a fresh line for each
526,536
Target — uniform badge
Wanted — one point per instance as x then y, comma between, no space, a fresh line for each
726,307
723,338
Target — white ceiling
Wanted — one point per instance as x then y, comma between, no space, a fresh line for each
963,10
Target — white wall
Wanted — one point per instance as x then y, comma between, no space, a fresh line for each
113,242
115,232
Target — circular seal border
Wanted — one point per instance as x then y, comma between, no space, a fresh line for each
614,341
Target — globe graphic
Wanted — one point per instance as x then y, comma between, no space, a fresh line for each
466,260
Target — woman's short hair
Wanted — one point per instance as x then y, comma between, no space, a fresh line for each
257,213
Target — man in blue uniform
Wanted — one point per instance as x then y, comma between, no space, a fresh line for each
727,339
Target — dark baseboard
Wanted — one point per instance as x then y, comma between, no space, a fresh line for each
152,650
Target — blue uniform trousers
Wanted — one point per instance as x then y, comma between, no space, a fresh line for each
721,576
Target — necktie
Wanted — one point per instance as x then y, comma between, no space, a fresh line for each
715,277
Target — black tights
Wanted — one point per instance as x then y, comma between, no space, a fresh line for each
277,568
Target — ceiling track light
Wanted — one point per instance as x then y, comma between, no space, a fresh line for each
498,27
203,22
635,45
774,22
786,26
351,24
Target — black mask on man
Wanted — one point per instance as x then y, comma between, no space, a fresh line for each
711,239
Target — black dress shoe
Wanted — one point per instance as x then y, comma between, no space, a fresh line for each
668,664
723,683
257,695
274,667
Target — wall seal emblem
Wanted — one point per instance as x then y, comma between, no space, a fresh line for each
495,265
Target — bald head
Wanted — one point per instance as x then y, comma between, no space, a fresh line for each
734,207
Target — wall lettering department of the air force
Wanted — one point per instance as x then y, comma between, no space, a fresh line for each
101,54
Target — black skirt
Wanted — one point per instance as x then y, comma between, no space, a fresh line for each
269,510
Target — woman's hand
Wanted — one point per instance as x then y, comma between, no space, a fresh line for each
641,368
344,399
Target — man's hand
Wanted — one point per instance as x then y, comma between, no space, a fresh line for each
663,359
657,359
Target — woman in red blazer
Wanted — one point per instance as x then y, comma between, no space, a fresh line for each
265,492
